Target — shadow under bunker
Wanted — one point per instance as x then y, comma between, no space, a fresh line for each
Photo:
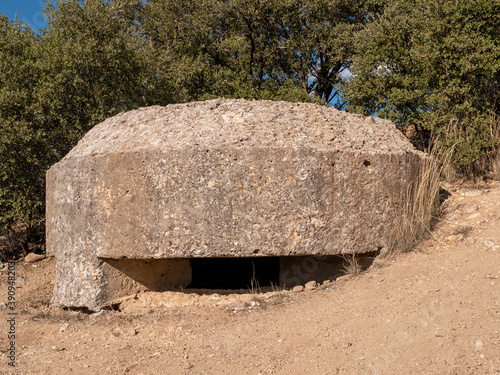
250,273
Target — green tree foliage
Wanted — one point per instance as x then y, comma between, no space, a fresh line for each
22,143
91,66
54,87
434,66
264,49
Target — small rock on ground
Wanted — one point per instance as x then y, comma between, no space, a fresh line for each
454,238
311,285
64,327
32,258
471,208
489,243
473,193
237,306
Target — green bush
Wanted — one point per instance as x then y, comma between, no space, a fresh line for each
434,67
54,86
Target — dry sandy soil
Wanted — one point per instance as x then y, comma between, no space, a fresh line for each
435,310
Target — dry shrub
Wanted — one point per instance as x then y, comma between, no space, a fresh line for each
421,200
350,265
353,264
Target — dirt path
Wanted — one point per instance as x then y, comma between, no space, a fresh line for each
435,310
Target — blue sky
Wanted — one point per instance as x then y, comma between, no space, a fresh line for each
29,11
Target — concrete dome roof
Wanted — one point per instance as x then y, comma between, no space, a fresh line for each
240,123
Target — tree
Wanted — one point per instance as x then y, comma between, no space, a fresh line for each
91,63
263,49
54,87
319,36
22,156
434,66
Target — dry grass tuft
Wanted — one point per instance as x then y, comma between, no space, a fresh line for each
254,286
254,283
351,265
277,288
421,201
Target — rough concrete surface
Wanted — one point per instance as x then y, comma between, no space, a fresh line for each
222,178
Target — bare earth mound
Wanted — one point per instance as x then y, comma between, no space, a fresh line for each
432,311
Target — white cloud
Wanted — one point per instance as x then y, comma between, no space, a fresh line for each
346,73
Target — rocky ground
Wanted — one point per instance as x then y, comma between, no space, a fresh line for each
435,310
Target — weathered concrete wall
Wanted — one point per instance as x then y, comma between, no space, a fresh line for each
230,178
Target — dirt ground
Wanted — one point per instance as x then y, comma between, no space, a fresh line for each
435,310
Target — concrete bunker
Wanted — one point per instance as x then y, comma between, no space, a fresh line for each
150,197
